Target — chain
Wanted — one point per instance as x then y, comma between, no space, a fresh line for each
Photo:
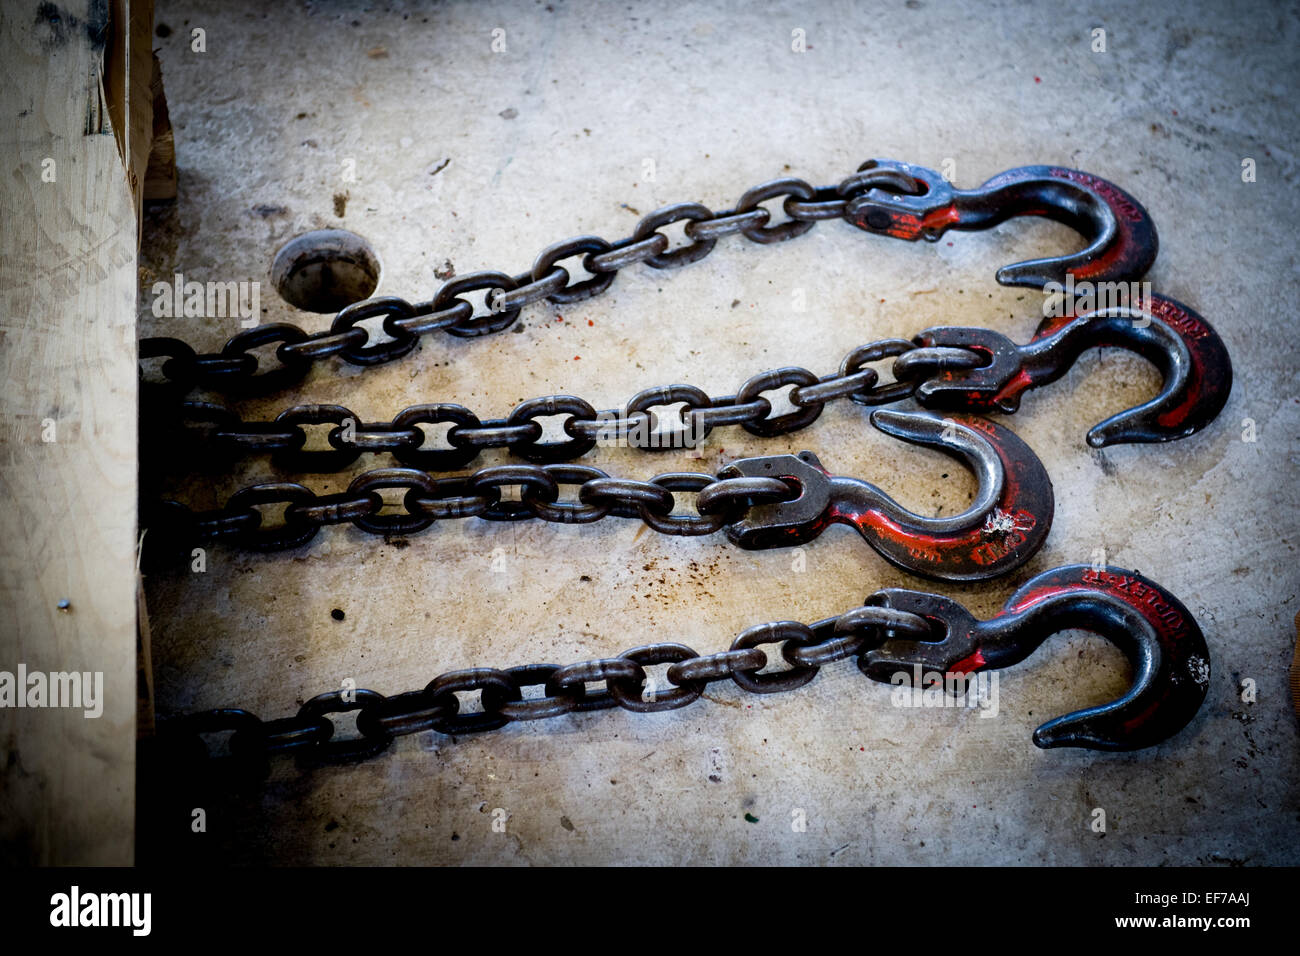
311,733
718,502
636,424
509,695
235,369
184,430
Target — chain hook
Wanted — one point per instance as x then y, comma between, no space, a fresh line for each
1001,530
1163,642
1179,342
1122,240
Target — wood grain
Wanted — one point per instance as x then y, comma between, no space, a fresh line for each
67,451
129,89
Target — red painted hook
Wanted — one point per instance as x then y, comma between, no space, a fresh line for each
1189,353
1164,644
1002,529
1122,240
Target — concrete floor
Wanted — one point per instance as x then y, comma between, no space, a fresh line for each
478,159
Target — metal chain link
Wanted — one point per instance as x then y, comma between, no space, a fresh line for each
310,733
427,499
636,424
237,370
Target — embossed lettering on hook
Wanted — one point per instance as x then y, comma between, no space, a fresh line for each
1005,525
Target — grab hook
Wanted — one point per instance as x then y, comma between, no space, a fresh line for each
1000,531
1163,642
1180,343
1122,240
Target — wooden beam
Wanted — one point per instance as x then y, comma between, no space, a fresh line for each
129,89
68,441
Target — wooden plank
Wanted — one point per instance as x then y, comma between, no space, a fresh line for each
67,451
160,172
129,90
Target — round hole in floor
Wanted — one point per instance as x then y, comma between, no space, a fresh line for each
325,270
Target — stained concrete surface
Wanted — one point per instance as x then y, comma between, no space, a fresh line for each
466,159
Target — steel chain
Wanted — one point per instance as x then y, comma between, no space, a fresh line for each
427,499
236,370
311,733
520,432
